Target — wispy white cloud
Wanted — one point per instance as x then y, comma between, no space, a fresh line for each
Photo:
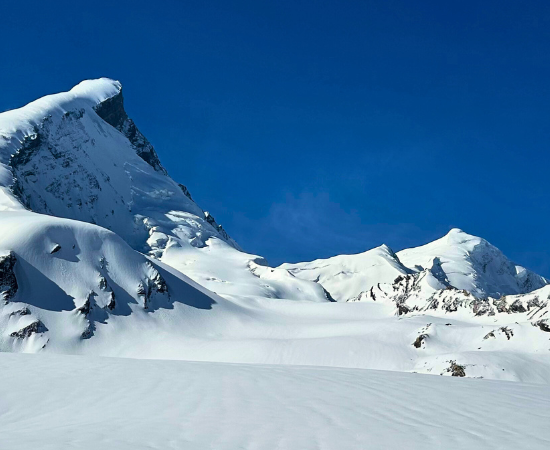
309,226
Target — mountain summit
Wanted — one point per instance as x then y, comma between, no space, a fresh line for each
462,260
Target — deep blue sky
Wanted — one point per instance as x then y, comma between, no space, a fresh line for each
311,129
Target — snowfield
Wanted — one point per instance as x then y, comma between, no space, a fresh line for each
102,255
51,402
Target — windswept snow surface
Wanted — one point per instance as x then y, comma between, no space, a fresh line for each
61,402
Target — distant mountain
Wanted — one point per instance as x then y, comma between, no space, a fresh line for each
345,276
458,259
471,263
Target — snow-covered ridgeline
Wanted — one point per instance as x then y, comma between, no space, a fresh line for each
458,259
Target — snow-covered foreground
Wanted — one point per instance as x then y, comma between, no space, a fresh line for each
71,402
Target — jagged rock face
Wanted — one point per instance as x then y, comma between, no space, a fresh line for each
16,321
153,287
424,293
8,281
29,330
55,174
210,219
112,111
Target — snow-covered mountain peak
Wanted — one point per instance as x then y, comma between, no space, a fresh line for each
457,259
78,155
88,93
471,263
385,250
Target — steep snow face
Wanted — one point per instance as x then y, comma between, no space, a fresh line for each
78,155
471,263
345,276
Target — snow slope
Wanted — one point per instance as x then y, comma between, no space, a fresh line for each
50,402
345,276
61,278
73,287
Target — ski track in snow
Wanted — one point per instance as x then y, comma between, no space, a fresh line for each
50,402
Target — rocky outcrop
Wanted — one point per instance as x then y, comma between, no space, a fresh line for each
185,191
456,370
420,340
112,111
34,327
418,293
8,281
152,287
210,219
543,325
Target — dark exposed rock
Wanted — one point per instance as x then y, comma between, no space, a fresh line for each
481,307
112,111
102,283
501,304
456,370
55,249
420,340
328,296
491,334
88,332
21,312
87,306
507,331
185,191
517,307
34,327
210,219
402,309
151,286
8,281
29,146
543,325
111,304
158,282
